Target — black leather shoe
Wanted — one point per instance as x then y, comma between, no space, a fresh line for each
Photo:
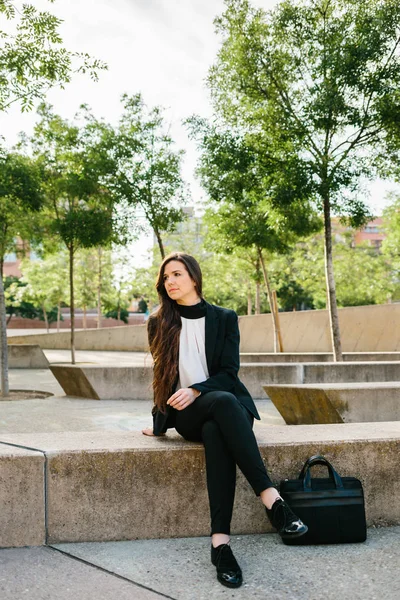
228,571
284,520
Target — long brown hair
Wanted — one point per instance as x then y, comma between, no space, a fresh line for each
164,329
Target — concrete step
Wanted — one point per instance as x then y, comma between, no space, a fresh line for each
104,486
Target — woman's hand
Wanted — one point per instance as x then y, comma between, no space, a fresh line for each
183,398
149,431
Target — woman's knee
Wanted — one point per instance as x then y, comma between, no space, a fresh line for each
226,398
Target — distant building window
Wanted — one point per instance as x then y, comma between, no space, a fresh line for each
12,257
371,229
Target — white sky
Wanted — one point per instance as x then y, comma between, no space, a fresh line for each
161,48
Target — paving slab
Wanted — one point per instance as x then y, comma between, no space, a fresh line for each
46,574
181,568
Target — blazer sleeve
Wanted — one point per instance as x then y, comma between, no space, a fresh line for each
226,377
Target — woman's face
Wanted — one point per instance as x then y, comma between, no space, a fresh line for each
178,283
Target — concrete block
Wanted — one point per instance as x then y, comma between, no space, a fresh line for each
128,486
26,356
105,383
311,357
336,403
22,512
256,375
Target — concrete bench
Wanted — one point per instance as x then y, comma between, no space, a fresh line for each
336,402
311,357
104,486
26,356
111,382
22,513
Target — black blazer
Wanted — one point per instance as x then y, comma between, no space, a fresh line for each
222,355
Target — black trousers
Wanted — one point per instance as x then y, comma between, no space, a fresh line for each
224,425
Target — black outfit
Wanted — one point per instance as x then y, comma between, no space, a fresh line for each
221,417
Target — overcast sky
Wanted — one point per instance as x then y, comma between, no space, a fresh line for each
161,48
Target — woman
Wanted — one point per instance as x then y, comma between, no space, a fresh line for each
195,347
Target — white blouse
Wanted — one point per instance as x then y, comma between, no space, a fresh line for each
192,352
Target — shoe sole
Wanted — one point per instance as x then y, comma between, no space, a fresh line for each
230,585
292,536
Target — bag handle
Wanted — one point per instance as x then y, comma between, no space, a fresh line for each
318,459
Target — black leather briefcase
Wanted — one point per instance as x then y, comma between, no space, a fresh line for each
332,508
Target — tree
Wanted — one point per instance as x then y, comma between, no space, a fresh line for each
363,276
19,193
85,284
238,177
15,306
324,73
79,203
149,167
32,60
46,284
391,244
118,296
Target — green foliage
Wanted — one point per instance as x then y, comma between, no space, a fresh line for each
20,196
32,56
142,305
122,315
149,168
45,284
79,205
320,74
391,245
14,304
362,275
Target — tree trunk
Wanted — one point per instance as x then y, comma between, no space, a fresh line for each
249,300
330,285
58,316
258,299
45,318
84,318
99,290
160,243
71,300
5,390
270,300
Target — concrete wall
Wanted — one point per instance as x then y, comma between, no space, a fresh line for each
129,338
363,328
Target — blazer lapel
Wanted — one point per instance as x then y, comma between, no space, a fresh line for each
211,330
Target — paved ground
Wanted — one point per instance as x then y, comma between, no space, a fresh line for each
181,569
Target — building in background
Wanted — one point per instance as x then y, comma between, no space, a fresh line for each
372,233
